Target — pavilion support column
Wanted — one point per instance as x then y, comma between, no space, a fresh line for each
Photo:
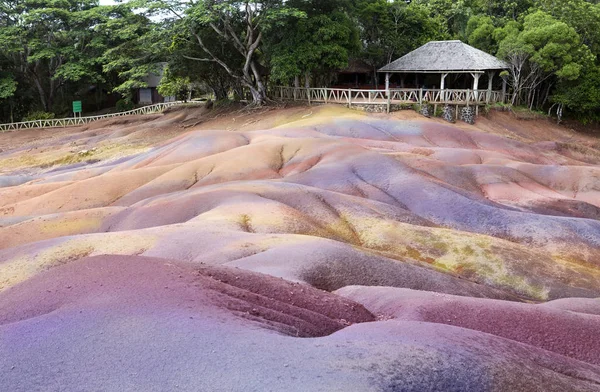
402,81
443,81
443,86
476,77
490,85
387,82
503,90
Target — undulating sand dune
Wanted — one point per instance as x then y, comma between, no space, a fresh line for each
299,249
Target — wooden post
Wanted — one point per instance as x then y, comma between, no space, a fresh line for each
296,86
307,85
503,90
349,98
420,96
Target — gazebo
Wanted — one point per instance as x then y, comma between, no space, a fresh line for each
445,58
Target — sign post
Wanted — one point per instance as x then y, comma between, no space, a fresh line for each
77,108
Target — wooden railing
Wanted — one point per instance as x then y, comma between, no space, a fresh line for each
393,96
72,121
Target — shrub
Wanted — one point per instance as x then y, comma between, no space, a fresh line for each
39,115
124,105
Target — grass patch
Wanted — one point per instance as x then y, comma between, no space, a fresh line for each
50,159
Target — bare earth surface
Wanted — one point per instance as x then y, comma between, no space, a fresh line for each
300,249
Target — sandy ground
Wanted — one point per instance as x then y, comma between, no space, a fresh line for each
300,248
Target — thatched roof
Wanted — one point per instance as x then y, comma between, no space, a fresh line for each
445,56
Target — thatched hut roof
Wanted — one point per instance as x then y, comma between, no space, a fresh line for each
445,56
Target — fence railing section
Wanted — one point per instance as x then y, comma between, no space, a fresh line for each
72,121
392,96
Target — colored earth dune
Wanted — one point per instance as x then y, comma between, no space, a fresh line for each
300,249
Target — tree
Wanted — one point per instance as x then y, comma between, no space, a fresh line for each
581,15
581,97
316,44
206,73
8,87
545,50
392,29
454,13
138,48
172,85
243,24
480,33
55,46
503,9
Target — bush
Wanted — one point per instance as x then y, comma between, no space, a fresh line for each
124,105
39,115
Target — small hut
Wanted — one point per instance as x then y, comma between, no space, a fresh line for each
431,65
357,74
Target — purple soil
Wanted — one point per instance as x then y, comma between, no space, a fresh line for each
563,332
290,308
136,323
231,231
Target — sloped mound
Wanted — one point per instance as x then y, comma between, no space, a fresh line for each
126,282
545,326
130,323
140,256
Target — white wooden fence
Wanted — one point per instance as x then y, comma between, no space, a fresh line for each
72,121
390,97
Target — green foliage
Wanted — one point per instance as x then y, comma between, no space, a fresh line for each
172,85
124,105
8,86
556,46
52,51
480,33
39,115
317,43
583,97
392,29
544,51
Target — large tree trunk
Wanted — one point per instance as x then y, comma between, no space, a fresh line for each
261,89
42,94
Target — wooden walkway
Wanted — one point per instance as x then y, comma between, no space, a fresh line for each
390,97
73,121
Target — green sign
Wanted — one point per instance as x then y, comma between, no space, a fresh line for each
76,106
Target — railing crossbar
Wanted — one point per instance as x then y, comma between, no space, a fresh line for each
71,121
361,96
